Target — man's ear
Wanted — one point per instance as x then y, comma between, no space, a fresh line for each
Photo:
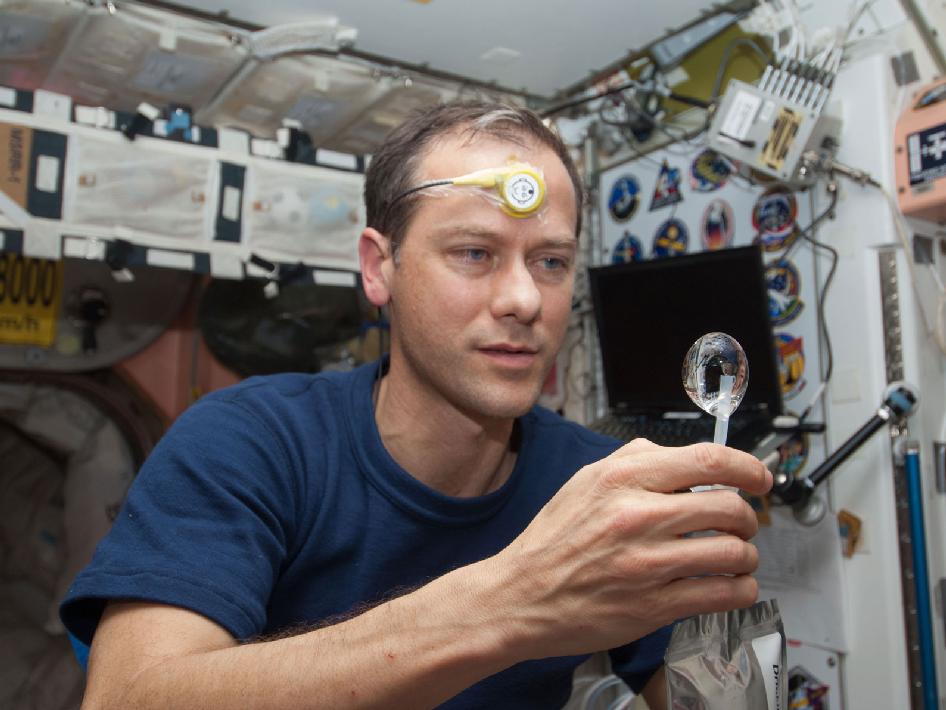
374,253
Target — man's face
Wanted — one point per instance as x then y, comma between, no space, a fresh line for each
480,300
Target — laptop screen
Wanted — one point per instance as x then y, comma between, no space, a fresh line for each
649,313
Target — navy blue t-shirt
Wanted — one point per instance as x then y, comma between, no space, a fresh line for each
274,504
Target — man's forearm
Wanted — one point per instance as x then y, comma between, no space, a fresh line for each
414,651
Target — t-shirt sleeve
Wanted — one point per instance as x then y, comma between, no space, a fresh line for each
636,662
205,525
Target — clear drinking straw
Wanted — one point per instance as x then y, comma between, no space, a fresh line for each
723,408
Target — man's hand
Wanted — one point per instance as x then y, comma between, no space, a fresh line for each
607,560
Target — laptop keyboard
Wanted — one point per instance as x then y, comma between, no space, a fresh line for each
666,432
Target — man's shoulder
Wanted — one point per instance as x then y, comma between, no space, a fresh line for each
292,407
286,385
288,390
553,430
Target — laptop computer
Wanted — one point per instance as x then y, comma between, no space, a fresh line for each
648,315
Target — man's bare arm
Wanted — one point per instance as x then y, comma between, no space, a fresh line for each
413,651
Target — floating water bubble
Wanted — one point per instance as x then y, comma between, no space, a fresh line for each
715,377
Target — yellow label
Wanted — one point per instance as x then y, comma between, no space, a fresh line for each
30,297
16,142
781,138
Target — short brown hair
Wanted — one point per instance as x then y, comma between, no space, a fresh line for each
393,168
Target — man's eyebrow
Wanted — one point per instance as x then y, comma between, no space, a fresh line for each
565,242
560,243
467,230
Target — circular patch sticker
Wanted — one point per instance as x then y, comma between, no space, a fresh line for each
709,171
774,212
783,283
624,198
775,243
791,364
628,249
718,225
522,191
671,239
793,455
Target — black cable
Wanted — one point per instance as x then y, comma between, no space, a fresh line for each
410,191
689,100
727,57
683,137
629,138
416,188
813,225
681,98
821,299
551,111
586,99
806,235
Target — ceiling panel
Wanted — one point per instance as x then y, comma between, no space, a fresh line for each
537,46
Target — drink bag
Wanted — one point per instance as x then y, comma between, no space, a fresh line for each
732,660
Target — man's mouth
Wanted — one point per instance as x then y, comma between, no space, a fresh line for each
509,349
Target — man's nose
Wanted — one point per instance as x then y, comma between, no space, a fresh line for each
516,294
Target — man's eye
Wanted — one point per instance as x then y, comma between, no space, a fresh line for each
474,255
553,263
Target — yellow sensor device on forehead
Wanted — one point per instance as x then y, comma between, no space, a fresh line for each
519,187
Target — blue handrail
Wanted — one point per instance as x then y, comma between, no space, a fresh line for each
921,581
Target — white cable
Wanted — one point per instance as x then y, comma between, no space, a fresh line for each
854,16
833,60
822,56
792,49
879,35
802,50
777,23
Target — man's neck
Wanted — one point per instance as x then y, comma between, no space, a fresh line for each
441,446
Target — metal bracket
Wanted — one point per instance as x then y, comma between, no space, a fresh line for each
890,301
893,356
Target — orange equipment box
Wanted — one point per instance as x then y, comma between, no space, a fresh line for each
920,157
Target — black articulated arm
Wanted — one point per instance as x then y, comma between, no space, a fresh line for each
900,402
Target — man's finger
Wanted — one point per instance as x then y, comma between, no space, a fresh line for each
700,556
668,469
704,595
723,511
